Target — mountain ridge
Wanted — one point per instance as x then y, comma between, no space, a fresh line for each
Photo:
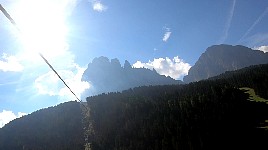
220,58
109,76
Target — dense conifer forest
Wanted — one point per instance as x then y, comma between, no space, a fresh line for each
209,114
53,128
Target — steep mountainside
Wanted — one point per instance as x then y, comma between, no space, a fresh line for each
54,128
220,58
109,76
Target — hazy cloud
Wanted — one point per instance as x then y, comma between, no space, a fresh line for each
167,34
262,48
10,63
175,68
254,24
228,23
98,6
50,84
7,116
256,40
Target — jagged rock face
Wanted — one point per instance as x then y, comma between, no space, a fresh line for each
220,58
110,76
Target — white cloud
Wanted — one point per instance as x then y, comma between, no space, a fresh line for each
50,84
262,48
166,36
98,6
175,68
10,63
139,64
7,116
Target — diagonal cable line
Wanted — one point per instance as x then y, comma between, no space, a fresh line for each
86,109
7,15
51,67
46,61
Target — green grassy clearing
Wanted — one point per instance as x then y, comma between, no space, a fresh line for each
256,98
253,96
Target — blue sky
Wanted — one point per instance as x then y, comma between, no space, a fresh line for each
151,34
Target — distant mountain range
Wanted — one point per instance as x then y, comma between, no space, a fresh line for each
110,76
220,58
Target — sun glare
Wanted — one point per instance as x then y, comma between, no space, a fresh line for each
42,26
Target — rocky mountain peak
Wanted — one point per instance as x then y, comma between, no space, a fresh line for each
220,58
110,76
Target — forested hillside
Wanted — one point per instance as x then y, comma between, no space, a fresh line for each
255,77
54,128
210,114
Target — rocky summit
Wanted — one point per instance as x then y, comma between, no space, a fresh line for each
109,76
218,59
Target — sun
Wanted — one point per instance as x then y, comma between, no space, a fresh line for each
42,27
